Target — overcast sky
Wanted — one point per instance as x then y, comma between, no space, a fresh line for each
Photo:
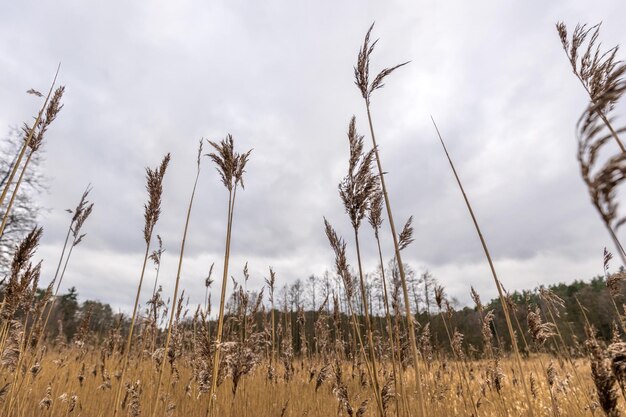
146,78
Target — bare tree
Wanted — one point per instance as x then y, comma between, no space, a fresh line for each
312,291
296,294
25,210
409,273
428,284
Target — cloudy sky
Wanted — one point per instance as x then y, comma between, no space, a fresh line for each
147,78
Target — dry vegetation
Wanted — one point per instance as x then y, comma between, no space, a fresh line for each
253,356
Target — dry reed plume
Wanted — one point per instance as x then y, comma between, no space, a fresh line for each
231,167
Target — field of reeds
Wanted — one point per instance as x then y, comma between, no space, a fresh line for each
253,354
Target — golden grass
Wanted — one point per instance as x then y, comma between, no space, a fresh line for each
59,370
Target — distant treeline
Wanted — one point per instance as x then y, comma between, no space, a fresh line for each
570,307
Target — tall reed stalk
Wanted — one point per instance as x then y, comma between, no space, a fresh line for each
361,73
341,264
231,167
505,309
375,219
602,76
79,216
30,134
152,212
176,285
53,109
356,190
271,284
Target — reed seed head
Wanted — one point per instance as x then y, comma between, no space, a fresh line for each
539,330
406,235
341,263
362,69
229,164
154,186
360,184
374,215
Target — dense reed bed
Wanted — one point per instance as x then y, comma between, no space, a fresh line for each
261,354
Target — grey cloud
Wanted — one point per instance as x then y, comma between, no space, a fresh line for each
143,80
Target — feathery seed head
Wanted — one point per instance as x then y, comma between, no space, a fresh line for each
362,69
406,235
154,186
360,184
341,263
539,331
230,165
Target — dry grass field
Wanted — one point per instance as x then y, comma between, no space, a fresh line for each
252,355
